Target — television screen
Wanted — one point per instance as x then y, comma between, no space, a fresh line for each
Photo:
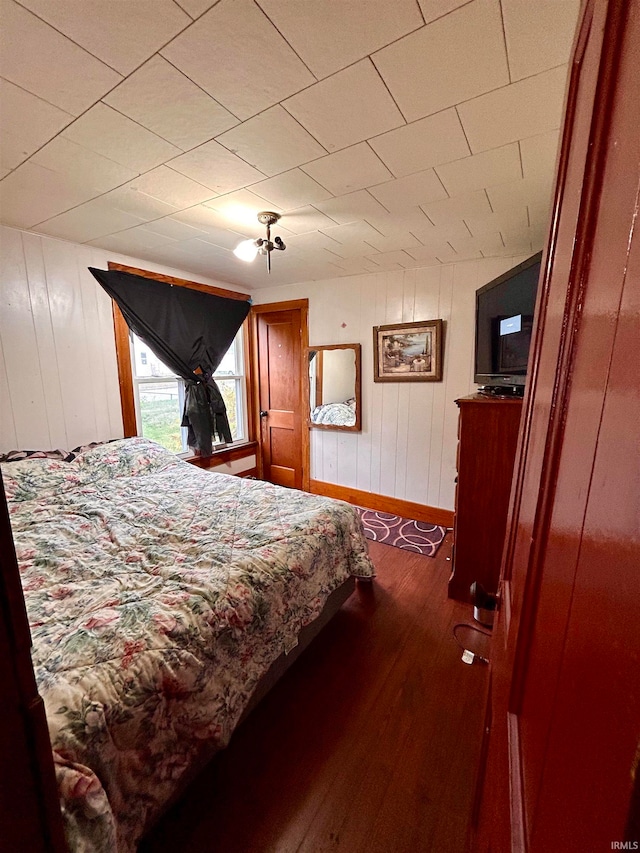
504,323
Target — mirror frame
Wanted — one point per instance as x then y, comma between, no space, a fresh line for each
357,427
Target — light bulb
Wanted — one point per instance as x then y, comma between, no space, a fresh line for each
246,250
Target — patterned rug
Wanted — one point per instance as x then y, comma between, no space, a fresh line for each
402,532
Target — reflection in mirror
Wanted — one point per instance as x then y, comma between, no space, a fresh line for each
334,387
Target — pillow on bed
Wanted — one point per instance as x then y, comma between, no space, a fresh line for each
19,455
124,457
36,477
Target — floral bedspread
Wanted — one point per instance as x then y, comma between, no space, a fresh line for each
158,595
336,414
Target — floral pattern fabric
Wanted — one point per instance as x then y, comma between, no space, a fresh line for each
158,594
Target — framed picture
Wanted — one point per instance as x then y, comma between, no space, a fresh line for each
408,352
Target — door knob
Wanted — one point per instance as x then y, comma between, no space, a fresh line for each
263,414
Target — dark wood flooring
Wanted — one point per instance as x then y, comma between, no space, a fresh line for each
369,743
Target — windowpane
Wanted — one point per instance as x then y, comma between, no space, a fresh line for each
145,362
229,390
161,413
228,364
160,404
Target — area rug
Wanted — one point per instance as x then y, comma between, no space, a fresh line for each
402,532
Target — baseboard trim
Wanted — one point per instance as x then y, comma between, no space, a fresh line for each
383,503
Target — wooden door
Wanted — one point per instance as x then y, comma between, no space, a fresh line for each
281,342
565,700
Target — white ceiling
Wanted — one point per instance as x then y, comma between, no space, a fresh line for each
389,134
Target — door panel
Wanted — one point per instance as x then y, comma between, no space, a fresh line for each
565,697
281,342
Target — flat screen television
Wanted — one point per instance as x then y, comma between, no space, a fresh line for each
504,323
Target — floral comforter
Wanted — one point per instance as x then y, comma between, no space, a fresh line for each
158,595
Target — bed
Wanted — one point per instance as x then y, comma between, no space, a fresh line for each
162,601
335,414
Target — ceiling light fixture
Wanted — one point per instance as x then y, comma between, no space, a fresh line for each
248,249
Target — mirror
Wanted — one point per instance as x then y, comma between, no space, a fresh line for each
334,387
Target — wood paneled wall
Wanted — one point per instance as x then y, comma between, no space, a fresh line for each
408,441
58,374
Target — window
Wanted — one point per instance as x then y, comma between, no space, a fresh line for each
159,395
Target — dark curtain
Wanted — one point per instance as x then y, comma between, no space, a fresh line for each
187,330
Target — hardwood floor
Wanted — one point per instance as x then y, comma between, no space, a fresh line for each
369,743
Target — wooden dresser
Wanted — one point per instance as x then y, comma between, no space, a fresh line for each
487,439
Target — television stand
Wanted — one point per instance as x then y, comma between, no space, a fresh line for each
508,391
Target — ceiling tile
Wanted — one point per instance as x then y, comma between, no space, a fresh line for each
353,232
42,61
163,100
27,123
447,255
454,209
123,39
306,219
222,238
239,57
428,254
481,170
171,227
349,107
313,241
31,194
352,206
148,238
354,249
436,235
329,38
354,266
130,200
514,112
486,244
539,156
392,243
93,219
273,142
393,260
290,190
503,197
171,187
215,167
403,193
451,60
195,8
205,219
81,166
428,142
434,9
516,218
240,209
539,35
392,225
134,242
346,171
116,137
539,214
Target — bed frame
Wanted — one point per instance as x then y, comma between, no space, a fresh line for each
275,672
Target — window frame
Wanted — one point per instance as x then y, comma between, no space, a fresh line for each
242,402
125,370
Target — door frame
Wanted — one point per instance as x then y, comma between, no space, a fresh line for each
254,415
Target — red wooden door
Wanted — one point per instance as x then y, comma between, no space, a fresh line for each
281,342
566,693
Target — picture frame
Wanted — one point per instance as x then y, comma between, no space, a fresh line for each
408,352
